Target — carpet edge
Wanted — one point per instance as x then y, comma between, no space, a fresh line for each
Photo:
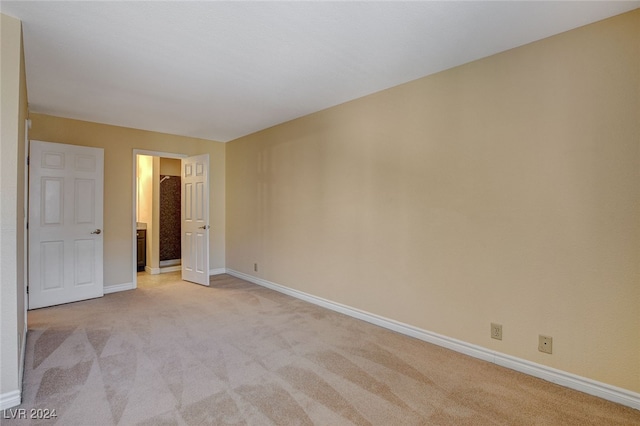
559,377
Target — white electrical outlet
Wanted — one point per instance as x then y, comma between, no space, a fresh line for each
496,331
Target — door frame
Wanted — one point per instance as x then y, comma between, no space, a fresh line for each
134,186
25,224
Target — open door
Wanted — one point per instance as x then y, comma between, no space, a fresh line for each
195,219
65,223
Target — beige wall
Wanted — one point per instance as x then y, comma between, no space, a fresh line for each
118,144
504,190
170,166
153,234
13,113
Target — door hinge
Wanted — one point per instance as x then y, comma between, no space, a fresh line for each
27,289
27,160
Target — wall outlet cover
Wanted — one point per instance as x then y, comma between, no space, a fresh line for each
545,344
496,331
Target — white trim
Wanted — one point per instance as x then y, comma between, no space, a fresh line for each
165,269
563,378
150,270
119,287
163,154
25,223
217,271
10,399
134,240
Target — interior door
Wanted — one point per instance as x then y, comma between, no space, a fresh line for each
65,223
195,219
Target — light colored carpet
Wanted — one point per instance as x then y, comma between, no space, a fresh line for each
175,353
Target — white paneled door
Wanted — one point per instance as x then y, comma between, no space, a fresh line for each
65,223
195,219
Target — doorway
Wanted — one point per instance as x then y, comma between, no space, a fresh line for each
157,245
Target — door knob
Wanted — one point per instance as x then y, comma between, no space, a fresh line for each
204,227
97,231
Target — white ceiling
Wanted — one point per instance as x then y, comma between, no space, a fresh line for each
221,70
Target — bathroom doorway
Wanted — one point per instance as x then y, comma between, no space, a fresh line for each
157,213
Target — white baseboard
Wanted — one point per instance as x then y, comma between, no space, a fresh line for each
152,271
165,269
563,378
118,287
10,399
217,271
